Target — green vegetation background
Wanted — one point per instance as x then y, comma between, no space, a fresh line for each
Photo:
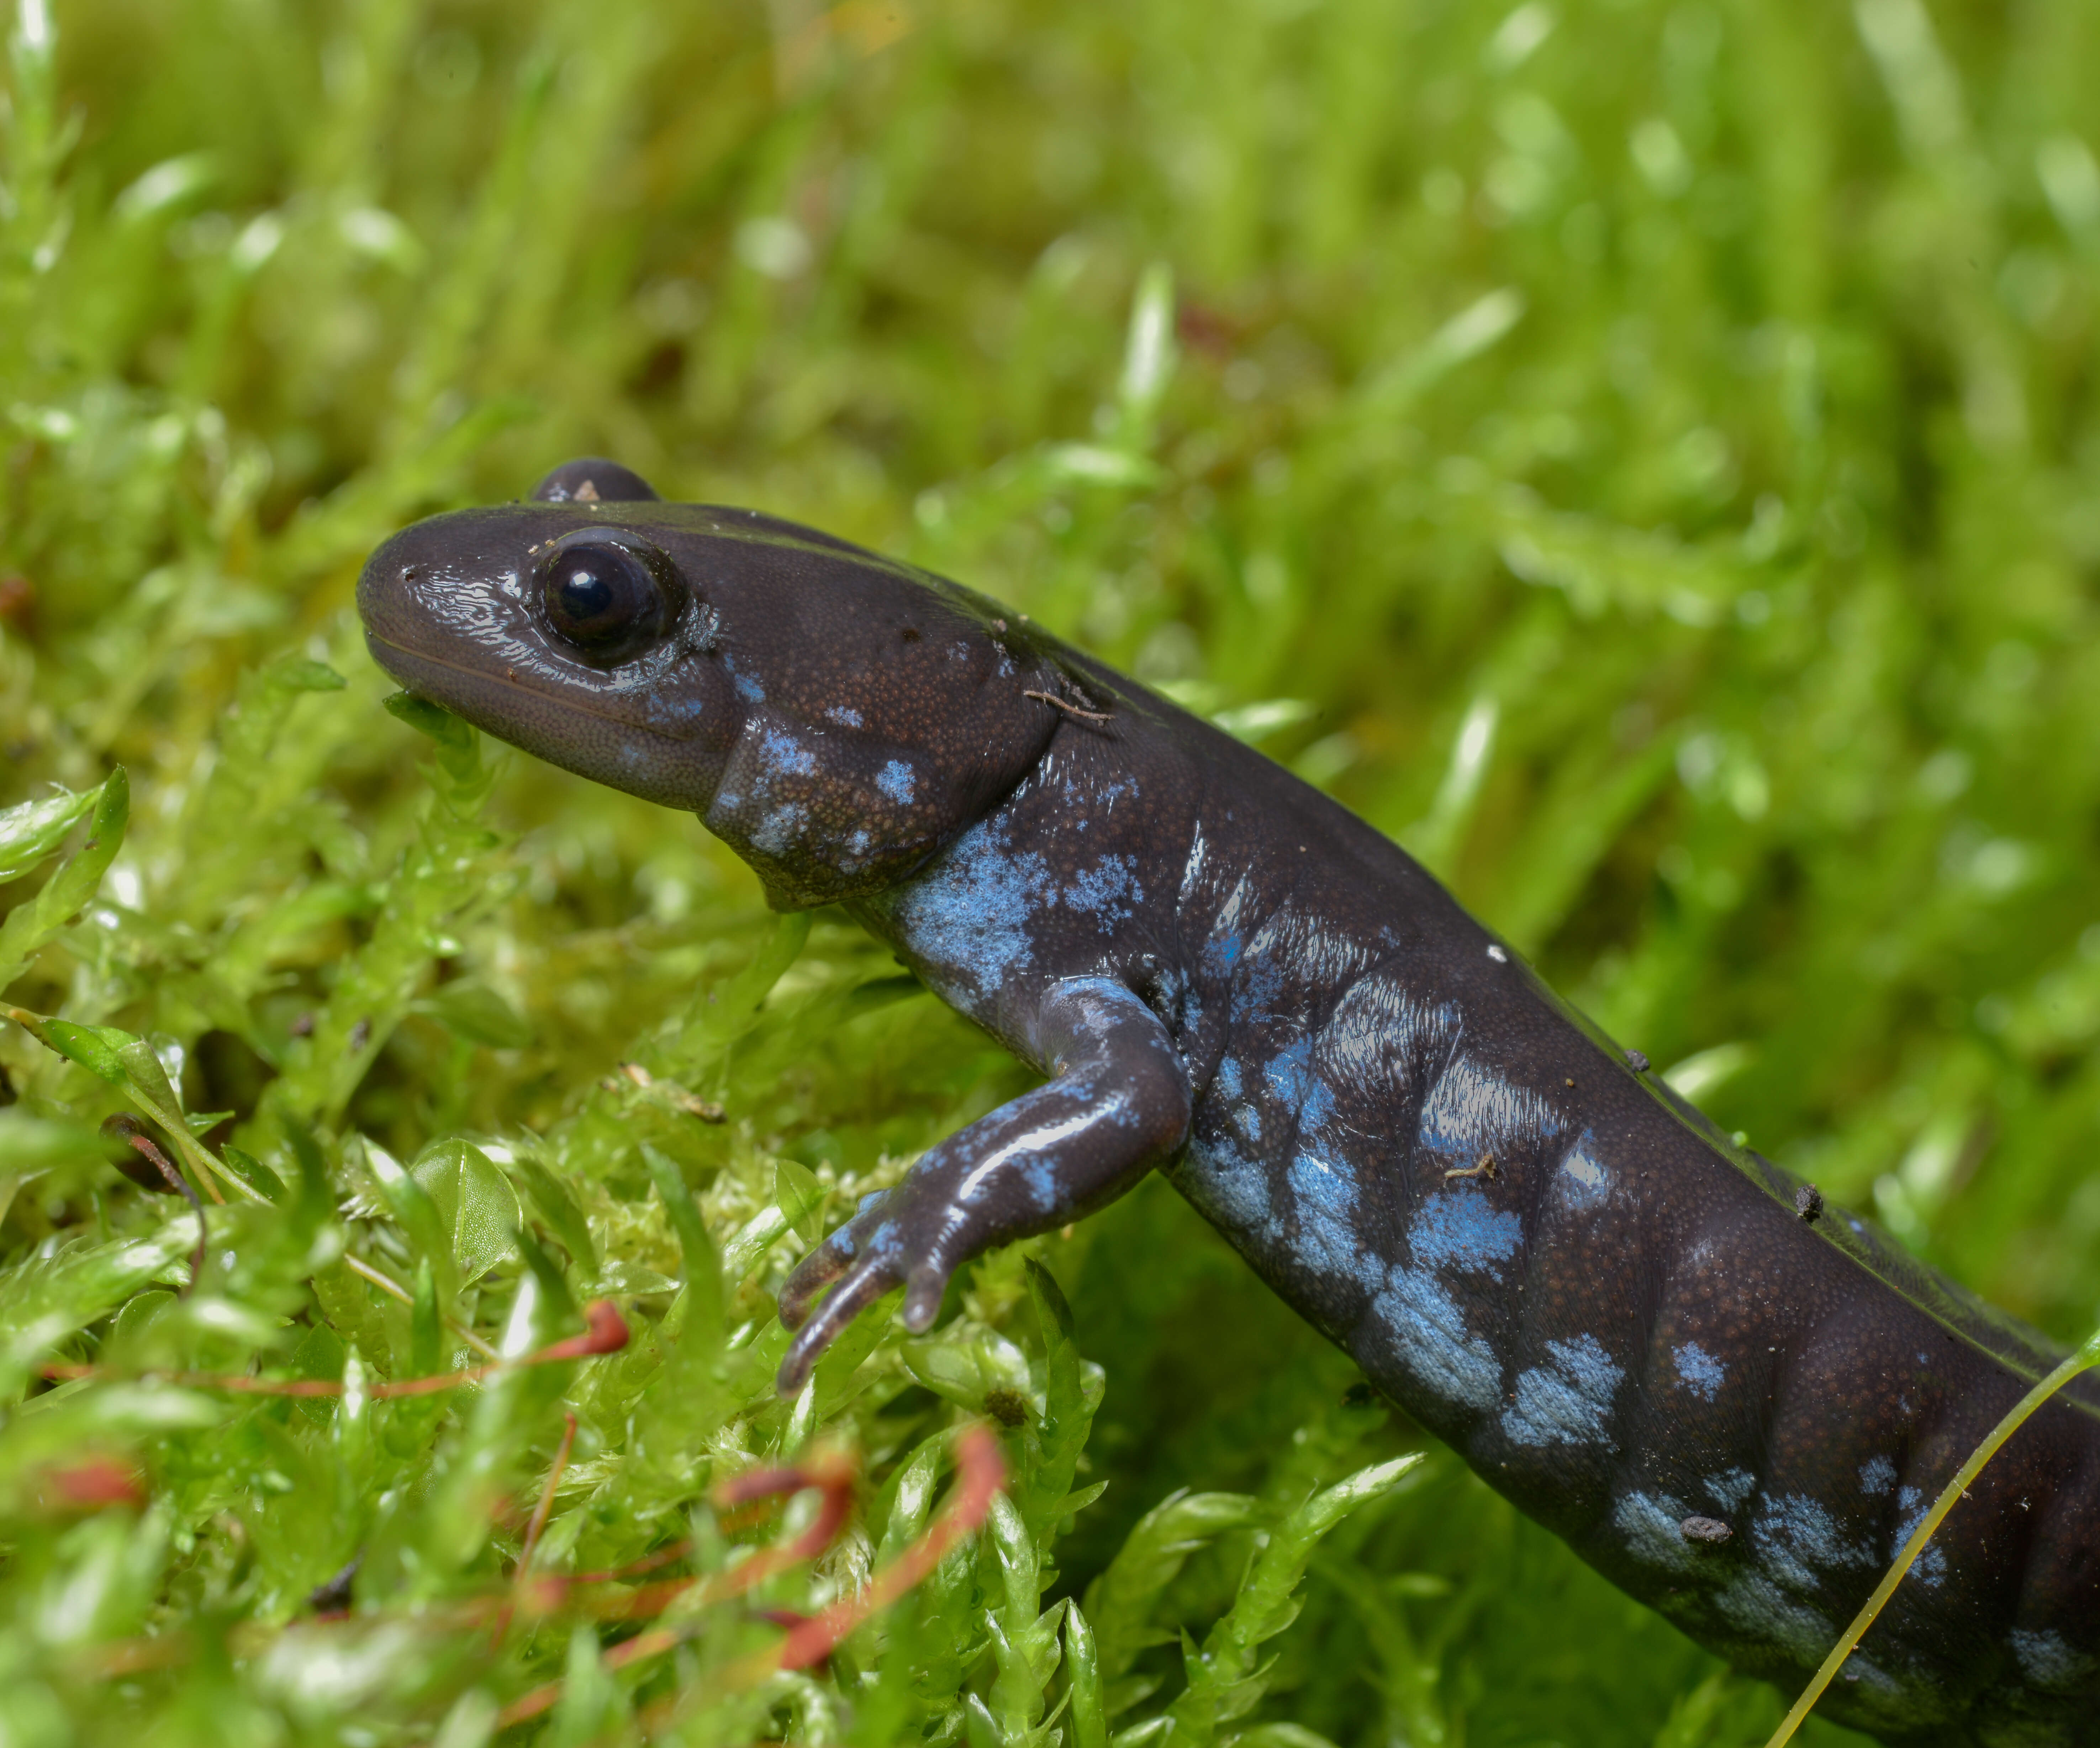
1644,455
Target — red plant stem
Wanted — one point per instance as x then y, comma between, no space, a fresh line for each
607,1334
980,1475
532,1529
634,1568
94,1482
830,1474
546,1505
126,1129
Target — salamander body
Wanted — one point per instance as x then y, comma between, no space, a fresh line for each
1732,1403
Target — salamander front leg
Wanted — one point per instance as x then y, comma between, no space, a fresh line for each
1119,1104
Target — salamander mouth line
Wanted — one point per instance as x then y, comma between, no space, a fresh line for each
556,700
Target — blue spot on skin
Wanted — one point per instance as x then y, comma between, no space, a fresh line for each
1108,892
1416,1317
1298,1088
2047,1660
970,913
777,830
1874,1677
1325,1241
844,715
1289,1072
896,781
783,752
1730,1488
1797,1538
1568,1402
1421,1326
1228,1186
767,756
1228,941
1258,994
1752,1602
973,915
1877,1476
747,687
1228,1078
1650,1523
1044,1189
1698,1371
1462,1230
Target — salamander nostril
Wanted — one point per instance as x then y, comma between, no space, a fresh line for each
410,572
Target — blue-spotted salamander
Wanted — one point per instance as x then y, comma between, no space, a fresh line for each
1732,1402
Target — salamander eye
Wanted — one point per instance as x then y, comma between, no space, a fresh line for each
607,594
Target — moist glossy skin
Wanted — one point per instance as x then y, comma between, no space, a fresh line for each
1621,1321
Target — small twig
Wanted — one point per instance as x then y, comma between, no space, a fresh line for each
705,1109
607,1334
1056,702
124,1126
1484,1168
532,1529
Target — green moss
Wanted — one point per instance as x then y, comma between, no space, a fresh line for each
1642,456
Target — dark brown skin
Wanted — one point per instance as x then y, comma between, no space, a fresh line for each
1733,1401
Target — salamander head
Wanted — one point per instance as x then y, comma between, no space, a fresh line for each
833,716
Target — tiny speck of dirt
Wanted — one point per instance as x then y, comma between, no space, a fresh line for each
332,1595
1708,1530
1808,1203
1008,1407
1636,1062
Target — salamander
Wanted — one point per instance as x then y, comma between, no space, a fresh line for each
1733,1401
